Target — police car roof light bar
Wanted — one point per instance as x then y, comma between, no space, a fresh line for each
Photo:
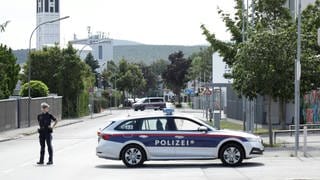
168,111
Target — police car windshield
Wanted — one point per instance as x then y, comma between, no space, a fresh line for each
208,123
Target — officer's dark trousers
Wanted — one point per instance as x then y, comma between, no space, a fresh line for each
45,138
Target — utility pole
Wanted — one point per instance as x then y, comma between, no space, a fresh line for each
243,39
251,102
297,84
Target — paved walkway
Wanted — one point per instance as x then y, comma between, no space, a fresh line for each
21,132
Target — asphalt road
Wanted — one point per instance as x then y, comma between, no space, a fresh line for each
74,158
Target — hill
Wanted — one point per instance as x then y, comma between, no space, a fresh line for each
150,53
120,42
21,55
134,52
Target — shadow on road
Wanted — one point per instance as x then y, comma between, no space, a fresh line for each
179,166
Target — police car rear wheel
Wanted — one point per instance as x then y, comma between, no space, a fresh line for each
231,154
133,156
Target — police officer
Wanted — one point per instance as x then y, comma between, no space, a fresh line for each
45,130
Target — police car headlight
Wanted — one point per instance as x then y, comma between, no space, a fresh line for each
255,139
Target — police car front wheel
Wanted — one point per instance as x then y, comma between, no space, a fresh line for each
133,156
231,154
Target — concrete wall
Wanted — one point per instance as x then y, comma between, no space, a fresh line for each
8,114
14,112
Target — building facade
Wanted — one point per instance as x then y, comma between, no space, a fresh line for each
48,34
101,48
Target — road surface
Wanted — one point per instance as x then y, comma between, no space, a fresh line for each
74,158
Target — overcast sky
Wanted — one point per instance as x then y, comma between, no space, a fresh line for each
165,22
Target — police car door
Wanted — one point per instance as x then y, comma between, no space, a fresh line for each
154,135
190,142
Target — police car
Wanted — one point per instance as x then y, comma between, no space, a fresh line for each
173,137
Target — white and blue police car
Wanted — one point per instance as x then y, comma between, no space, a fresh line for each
173,137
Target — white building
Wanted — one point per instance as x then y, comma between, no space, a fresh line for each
48,34
219,68
101,48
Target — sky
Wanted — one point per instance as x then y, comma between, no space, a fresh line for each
162,22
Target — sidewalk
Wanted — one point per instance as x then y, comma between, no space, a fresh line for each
21,132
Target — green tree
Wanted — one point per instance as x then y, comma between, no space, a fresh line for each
109,74
94,65
73,72
37,89
265,66
271,19
159,66
175,76
151,80
310,61
44,67
9,72
201,66
129,78
65,74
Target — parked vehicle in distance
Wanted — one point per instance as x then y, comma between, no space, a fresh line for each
156,103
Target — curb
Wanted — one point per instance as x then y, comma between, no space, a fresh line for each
35,132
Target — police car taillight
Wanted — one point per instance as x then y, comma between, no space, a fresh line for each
105,136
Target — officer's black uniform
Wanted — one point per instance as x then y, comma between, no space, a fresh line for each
44,120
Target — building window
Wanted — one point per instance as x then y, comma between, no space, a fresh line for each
46,5
39,6
51,5
57,5
100,52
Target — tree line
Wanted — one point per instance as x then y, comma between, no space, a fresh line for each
262,57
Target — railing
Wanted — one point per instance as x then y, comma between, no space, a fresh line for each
291,127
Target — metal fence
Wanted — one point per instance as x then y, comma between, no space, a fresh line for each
254,111
14,112
236,107
232,105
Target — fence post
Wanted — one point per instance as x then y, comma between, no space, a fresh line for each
305,131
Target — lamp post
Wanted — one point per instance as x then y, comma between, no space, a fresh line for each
29,69
297,84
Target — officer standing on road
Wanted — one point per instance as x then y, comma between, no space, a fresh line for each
45,130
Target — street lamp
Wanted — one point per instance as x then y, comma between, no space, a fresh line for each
29,69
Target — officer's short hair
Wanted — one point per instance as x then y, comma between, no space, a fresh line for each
44,105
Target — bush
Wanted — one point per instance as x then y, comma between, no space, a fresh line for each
37,89
178,105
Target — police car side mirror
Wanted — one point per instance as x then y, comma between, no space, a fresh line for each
203,129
